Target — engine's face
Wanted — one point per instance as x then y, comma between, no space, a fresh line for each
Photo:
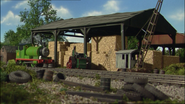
45,52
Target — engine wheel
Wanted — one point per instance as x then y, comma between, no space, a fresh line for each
50,65
45,65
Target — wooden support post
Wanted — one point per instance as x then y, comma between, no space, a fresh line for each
122,37
126,42
129,61
163,50
85,41
85,32
170,51
173,44
97,40
55,33
155,47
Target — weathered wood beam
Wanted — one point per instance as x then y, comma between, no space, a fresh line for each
169,49
83,86
97,95
122,37
55,47
85,32
42,31
173,44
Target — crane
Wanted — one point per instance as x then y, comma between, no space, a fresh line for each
147,36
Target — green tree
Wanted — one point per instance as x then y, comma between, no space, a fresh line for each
10,38
181,53
132,42
40,13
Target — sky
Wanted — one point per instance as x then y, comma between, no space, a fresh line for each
172,10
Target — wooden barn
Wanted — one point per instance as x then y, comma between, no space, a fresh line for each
8,53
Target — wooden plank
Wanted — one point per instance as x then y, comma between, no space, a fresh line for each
167,81
110,100
158,76
83,86
98,95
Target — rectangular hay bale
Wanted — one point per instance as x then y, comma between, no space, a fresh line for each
168,60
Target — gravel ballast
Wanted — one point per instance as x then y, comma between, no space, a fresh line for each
172,91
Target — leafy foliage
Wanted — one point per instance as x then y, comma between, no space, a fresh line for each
181,53
132,42
97,76
40,13
13,67
3,76
175,69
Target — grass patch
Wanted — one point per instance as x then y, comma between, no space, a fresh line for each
97,76
12,93
78,88
97,84
80,77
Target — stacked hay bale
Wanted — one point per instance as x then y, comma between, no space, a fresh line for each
79,49
104,52
168,60
153,59
61,48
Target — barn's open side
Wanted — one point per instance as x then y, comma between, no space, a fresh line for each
124,24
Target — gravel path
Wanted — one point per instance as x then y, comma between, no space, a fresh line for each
54,88
171,90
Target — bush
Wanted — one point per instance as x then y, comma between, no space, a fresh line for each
2,63
181,71
11,62
12,94
175,69
3,76
13,67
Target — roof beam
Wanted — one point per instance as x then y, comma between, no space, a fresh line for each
43,31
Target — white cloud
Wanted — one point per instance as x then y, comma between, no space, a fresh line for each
179,15
110,6
93,13
10,19
22,4
62,12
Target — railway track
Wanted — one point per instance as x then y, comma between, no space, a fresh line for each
152,78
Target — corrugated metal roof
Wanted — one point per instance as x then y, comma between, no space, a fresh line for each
127,51
91,20
130,19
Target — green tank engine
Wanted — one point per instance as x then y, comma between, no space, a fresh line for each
31,55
